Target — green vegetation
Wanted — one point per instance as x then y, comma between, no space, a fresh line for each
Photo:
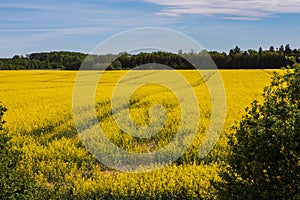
235,59
2,111
14,183
265,159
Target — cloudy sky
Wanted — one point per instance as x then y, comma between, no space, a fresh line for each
28,26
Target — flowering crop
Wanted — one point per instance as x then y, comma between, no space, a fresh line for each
40,122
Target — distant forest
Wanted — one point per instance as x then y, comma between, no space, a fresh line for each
235,59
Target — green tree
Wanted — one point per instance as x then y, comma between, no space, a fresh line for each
117,65
260,51
281,49
272,49
265,158
287,49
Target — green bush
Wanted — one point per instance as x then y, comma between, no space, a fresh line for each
265,158
2,110
14,183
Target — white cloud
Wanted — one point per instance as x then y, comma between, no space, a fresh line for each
29,6
228,9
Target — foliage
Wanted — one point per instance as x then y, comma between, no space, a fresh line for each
2,111
51,60
235,59
14,183
265,159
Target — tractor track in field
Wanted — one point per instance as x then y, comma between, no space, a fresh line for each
204,79
136,101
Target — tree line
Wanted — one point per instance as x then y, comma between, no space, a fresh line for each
234,59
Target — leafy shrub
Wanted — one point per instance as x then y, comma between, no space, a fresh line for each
265,159
14,183
2,110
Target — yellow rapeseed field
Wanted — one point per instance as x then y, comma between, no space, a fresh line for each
40,121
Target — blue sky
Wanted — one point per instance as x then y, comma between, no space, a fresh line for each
42,25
